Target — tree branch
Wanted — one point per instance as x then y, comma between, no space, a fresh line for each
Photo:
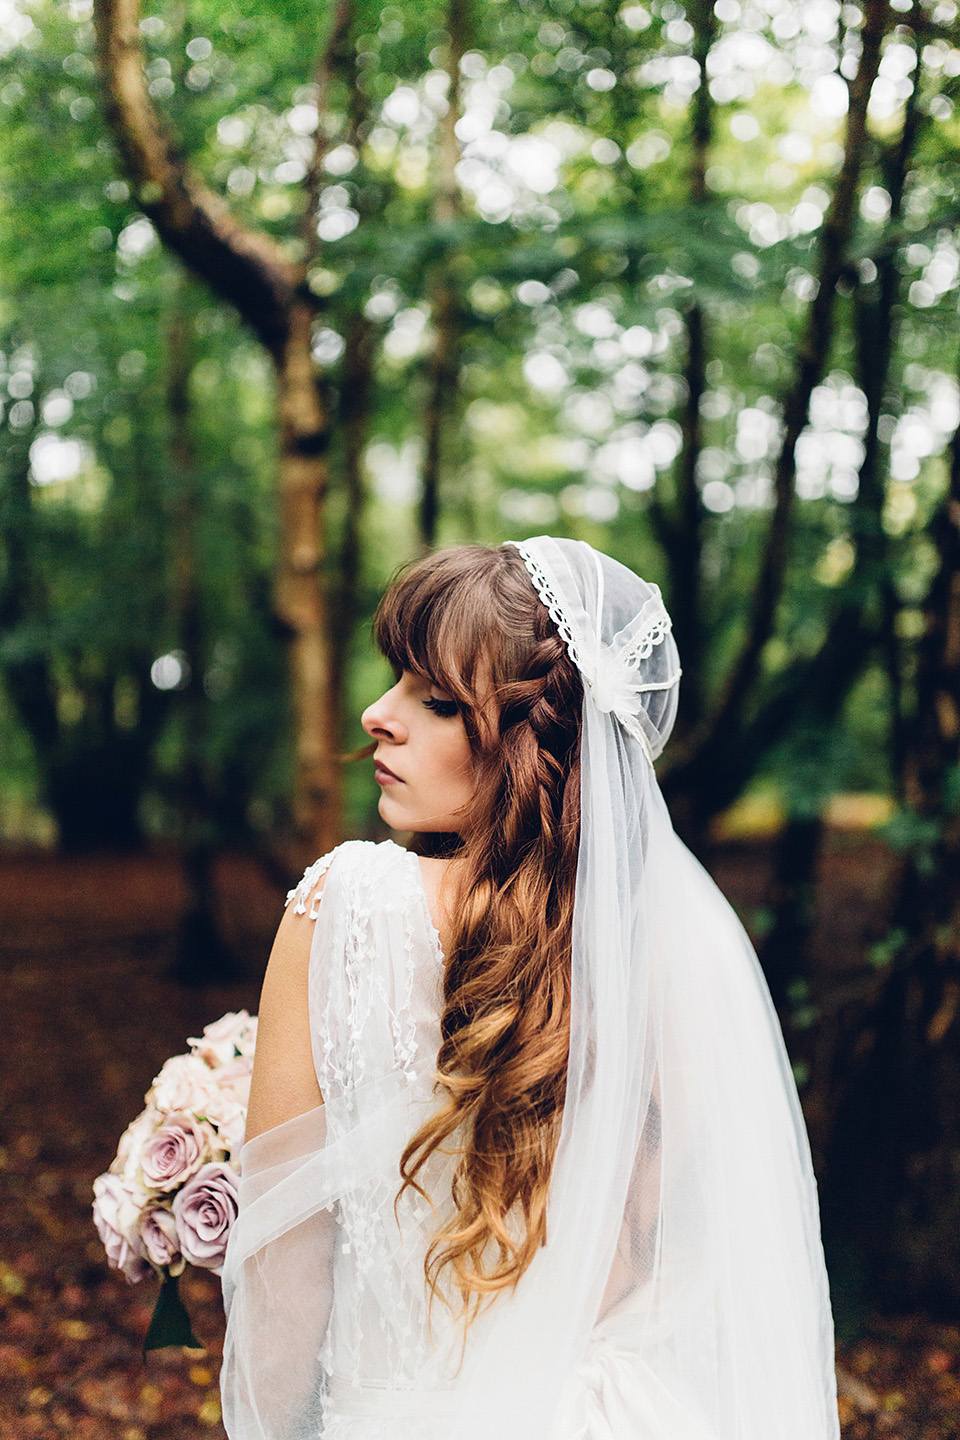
244,266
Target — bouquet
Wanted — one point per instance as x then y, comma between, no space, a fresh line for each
170,1196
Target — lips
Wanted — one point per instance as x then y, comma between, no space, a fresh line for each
383,772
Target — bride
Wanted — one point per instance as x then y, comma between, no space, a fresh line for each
524,1156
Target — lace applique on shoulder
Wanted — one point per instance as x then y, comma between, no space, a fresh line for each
311,878
364,1017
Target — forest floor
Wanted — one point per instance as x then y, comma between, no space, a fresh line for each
88,1013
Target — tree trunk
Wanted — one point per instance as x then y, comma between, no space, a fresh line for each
202,957
891,1197
354,400
694,781
354,417
249,270
793,900
28,679
445,303
300,598
685,553
865,616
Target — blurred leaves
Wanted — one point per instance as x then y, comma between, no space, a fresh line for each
576,258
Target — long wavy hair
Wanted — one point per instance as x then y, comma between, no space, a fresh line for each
469,619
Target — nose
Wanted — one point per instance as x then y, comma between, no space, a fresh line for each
381,721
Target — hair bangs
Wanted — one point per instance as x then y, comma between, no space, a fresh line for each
434,620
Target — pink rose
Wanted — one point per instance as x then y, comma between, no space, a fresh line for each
204,1210
181,1085
174,1152
115,1213
158,1234
233,1034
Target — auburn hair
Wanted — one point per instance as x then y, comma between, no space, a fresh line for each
469,619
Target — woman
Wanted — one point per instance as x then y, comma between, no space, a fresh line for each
525,1159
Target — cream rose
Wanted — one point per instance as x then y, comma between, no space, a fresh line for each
233,1034
227,1100
115,1212
131,1145
235,1077
181,1085
228,1116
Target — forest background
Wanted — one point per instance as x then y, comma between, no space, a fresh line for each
290,292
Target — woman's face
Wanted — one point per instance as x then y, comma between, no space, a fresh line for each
423,761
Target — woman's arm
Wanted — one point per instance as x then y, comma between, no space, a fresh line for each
284,1082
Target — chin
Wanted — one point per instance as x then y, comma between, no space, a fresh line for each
389,815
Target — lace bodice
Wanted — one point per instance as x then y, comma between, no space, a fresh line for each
375,996
375,999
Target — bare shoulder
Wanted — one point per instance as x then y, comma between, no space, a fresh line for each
284,1080
294,935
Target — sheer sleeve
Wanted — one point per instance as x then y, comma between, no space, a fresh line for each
278,1286
278,1273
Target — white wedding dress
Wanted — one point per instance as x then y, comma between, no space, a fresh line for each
348,1353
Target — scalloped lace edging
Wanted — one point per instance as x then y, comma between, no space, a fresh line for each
641,647
544,588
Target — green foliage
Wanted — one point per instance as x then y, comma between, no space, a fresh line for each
886,951
576,254
909,832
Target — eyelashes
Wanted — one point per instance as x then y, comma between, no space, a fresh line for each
446,708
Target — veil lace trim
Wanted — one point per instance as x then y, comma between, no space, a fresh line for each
597,663
544,588
640,647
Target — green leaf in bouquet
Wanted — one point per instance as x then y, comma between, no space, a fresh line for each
169,1323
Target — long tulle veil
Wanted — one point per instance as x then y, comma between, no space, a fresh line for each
683,1220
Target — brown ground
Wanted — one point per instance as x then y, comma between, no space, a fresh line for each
88,1015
